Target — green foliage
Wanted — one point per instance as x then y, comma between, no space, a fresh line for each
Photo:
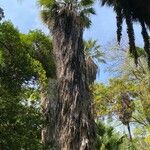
46,3
107,97
20,122
108,138
26,61
15,67
134,81
93,50
24,57
41,50
93,56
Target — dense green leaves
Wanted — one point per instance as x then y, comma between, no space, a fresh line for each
24,56
20,123
26,61
108,138
126,98
41,50
15,67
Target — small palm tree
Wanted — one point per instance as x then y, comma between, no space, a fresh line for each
93,50
107,138
93,56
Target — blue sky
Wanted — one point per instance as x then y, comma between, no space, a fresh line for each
25,16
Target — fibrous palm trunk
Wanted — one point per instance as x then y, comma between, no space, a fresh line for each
75,123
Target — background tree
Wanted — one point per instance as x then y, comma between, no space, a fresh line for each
22,72
134,81
42,51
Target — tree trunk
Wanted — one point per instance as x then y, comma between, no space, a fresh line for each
75,123
49,105
129,131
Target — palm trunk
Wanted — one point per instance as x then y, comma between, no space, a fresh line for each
75,123
49,105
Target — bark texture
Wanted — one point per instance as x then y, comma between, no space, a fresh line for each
49,109
75,124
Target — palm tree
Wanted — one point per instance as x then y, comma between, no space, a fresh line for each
66,20
93,56
131,11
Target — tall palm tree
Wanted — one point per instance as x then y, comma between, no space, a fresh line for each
132,10
66,20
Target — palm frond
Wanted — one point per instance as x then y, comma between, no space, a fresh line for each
46,3
119,18
81,9
130,32
88,11
87,3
